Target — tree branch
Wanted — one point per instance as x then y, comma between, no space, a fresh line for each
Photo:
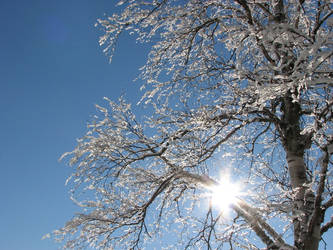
250,214
317,211
319,23
327,226
253,212
254,226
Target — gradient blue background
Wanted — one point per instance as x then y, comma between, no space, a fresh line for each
52,72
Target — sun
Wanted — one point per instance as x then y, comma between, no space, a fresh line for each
225,194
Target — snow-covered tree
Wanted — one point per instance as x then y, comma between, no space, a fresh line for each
232,88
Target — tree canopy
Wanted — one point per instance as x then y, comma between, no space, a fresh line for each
239,87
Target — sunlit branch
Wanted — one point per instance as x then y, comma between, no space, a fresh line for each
243,81
250,214
254,226
252,211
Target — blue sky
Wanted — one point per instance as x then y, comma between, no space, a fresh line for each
52,72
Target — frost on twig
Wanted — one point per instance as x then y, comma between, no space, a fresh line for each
243,85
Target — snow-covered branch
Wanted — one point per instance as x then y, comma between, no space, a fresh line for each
243,85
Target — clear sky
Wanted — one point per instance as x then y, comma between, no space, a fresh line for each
52,72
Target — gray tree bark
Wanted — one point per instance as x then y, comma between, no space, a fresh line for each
303,197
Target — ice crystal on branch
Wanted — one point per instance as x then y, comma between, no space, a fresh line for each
245,85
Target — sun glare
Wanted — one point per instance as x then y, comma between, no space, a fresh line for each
225,194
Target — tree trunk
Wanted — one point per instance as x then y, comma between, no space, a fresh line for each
303,198
312,241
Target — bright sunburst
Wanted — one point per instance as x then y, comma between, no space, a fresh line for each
225,194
